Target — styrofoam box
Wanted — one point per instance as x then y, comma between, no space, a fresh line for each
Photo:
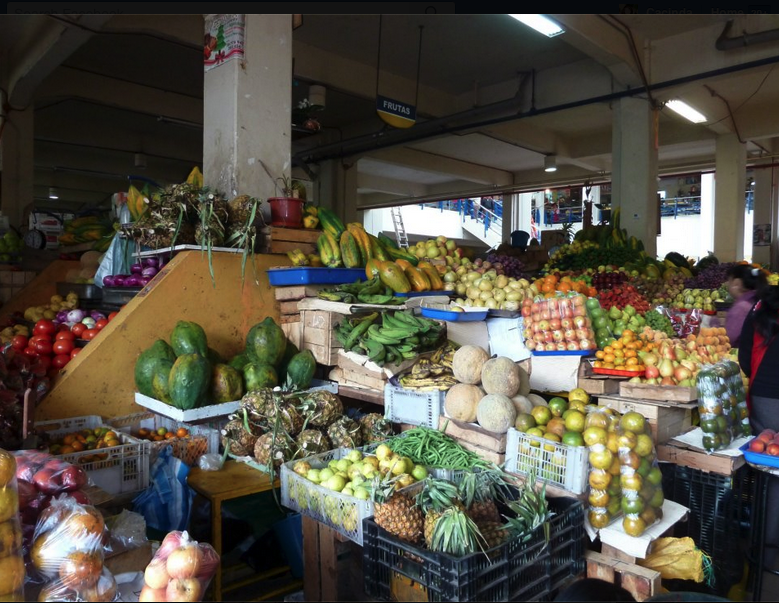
412,407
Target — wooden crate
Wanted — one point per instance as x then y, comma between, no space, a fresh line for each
639,581
595,385
292,331
665,420
488,455
297,292
473,434
318,334
281,240
662,393
680,454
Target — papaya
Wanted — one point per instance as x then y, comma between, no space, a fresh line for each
387,242
266,343
226,384
330,223
403,264
146,363
259,376
160,380
189,381
377,249
435,279
189,338
214,357
402,254
372,268
418,278
350,252
393,277
289,354
300,371
362,240
239,361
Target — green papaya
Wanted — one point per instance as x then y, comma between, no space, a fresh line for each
387,242
145,365
259,376
300,371
215,357
189,338
239,361
226,384
289,354
266,343
160,381
189,381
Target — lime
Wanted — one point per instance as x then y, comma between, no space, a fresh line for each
573,438
419,473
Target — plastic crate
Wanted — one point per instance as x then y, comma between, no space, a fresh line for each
123,469
119,296
298,275
564,466
415,408
343,513
201,439
716,504
567,539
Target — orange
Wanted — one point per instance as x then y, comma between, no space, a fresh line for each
547,287
600,354
181,433
66,450
598,364
608,349
599,479
618,345
608,358
630,353
78,446
68,439
564,287
598,520
632,361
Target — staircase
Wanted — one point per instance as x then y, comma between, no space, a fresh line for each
400,231
486,226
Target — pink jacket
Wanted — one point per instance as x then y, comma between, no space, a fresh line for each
736,316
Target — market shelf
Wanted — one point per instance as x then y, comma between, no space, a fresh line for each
364,394
100,380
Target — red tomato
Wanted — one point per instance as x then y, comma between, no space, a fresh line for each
44,327
89,334
36,338
75,352
68,335
44,348
63,328
60,360
45,362
112,315
78,329
100,324
19,342
63,346
31,352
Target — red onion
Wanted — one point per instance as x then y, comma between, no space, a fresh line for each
150,263
132,281
109,281
136,269
144,280
149,272
119,280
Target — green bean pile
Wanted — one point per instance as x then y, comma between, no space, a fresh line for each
433,448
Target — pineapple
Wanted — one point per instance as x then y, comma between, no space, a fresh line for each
494,532
375,428
270,450
436,496
236,437
531,510
239,210
212,214
311,442
456,534
265,406
478,491
345,433
321,408
396,512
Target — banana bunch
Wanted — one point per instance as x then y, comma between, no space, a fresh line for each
372,291
298,258
391,339
434,373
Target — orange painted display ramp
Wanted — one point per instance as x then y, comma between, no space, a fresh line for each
100,380
38,292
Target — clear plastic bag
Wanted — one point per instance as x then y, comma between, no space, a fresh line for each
181,570
211,462
12,571
684,322
605,493
720,391
559,324
128,530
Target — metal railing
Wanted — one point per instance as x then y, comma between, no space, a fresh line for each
491,219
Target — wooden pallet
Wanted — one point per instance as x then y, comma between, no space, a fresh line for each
672,394
679,454
473,434
487,455
639,581
666,420
281,240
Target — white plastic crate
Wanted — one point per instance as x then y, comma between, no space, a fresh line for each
411,407
559,464
201,439
341,512
119,470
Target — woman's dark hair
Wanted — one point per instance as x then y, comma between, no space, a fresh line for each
753,278
592,589
767,313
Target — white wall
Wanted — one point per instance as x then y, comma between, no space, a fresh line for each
419,223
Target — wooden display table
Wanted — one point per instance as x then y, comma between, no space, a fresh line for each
234,480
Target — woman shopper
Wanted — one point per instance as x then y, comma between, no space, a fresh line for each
745,284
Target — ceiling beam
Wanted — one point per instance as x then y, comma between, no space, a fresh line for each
392,186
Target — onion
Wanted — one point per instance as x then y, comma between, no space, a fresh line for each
132,281
62,316
88,322
136,269
151,263
144,280
119,280
76,315
149,271
109,281
97,315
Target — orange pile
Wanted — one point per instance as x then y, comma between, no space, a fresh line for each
161,434
548,285
623,354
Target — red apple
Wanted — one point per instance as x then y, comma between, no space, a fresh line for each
554,324
530,345
561,346
543,325
170,543
567,323
773,449
581,322
581,334
550,347
573,346
156,574
80,497
73,478
27,492
769,432
526,311
558,336
545,314
44,480
81,570
580,311
184,562
554,314
586,344
570,335
150,595
527,334
757,445
186,589
209,564
548,337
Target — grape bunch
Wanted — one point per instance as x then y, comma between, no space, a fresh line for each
710,278
609,279
659,322
506,264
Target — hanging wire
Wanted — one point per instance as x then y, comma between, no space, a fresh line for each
378,58
419,65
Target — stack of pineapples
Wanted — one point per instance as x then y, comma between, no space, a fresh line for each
460,520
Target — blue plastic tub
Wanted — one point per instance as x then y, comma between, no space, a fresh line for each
565,353
758,458
423,293
289,532
304,275
453,316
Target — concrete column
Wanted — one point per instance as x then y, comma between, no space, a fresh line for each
16,156
337,188
248,115
510,209
634,170
707,215
730,180
763,211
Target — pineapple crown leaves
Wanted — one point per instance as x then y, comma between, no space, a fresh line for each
456,534
383,487
437,495
482,485
531,510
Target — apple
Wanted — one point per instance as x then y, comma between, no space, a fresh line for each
183,589
566,312
586,344
579,300
773,449
554,314
580,311
550,347
539,338
554,324
81,570
151,595
561,346
581,322
557,336
209,564
44,481
582,334
527,302
170,543
104,590
530,345
567,323
543,325
570,335
545,314
573,346
526,311
548,337
527,334
27,492
156,574
537,327
757,445
73,478
80,497
184,562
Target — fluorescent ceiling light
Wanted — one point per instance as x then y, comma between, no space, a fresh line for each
685,111
53,193
550,163
541,24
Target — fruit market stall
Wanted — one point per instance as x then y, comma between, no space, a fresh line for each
40,288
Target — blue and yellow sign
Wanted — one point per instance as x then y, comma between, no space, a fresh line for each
396,113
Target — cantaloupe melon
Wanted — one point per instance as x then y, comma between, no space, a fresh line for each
496,413
462,400
467,364
522,404
537,400
500,376
524,382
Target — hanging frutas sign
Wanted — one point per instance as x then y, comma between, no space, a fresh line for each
396,113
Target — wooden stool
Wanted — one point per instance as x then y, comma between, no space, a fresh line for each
234,480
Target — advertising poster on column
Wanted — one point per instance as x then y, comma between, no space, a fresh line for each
761,235
224,39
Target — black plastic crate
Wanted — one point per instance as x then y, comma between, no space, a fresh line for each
513,571
118,296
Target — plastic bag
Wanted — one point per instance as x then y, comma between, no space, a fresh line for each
211,462
678,559
684,322
12,570
559,324
120,254
604,494
128,530
180,570
167,502
720,391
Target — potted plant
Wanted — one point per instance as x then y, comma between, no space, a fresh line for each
305,115
287,210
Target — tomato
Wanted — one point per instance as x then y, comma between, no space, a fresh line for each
75,352
63,346
60,360
45,362
19,342
31,352
44,327
44,348
89,334
36,338
100,324
78,329
67,335
63,328
112,315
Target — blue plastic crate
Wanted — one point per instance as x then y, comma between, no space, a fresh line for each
304,275
565,353
424,294
453,316
758,458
